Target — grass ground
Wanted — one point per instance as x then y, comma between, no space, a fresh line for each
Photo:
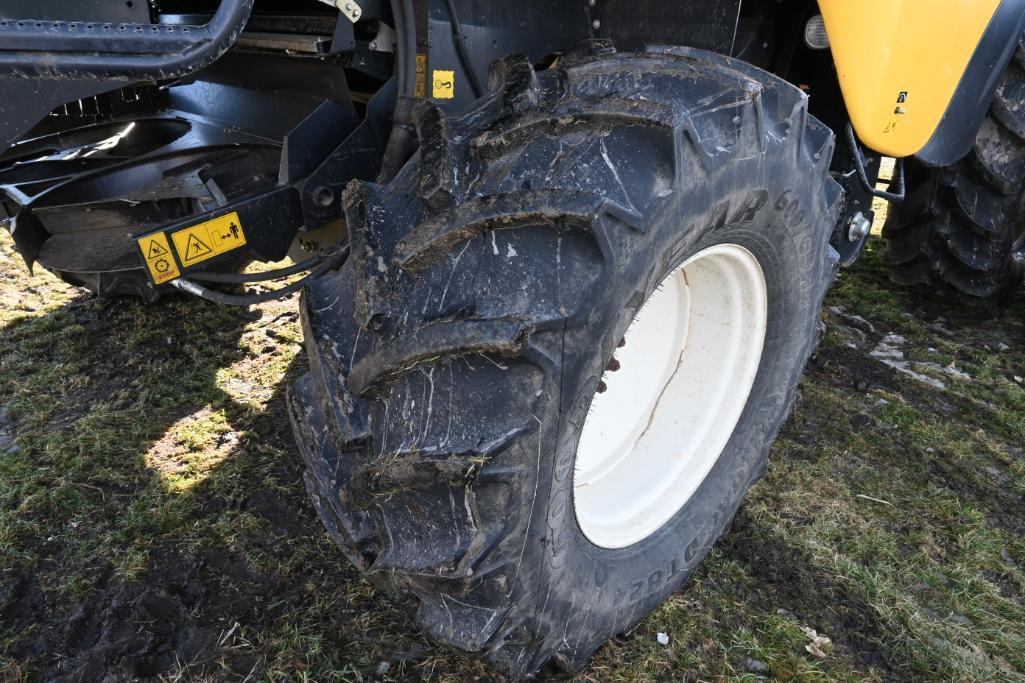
153,520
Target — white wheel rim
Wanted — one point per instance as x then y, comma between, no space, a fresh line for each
686,371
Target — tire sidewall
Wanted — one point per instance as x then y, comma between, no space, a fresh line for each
613,589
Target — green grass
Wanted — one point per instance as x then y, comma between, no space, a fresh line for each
149,485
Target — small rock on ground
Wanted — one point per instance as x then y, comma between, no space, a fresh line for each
6,437
756,666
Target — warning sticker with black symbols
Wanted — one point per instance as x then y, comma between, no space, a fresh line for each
420,86
444,85
206,240
157,253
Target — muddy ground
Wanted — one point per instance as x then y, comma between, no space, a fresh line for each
153,522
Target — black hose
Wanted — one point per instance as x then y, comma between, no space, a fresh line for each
276,274
398,15
859,166
199,290
409,59
461,49
402,141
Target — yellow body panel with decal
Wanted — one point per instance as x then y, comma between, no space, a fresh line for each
900,63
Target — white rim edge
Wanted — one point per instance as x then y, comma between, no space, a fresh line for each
686,372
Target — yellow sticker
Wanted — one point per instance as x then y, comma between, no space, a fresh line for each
420,89
444,85
157,253
206,240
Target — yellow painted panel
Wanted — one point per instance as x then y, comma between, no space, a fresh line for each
900,62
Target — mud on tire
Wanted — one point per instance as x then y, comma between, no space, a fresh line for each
961,229
453,358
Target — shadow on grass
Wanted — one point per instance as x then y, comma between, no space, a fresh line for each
152,513
153,519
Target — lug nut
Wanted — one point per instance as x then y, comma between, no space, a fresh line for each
860,227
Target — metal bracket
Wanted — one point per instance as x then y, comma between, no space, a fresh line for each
350,8
384,41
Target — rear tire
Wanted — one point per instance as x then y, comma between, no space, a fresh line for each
454,358
962,228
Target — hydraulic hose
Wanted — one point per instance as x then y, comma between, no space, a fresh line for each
199,290
402,140
461,49
276,274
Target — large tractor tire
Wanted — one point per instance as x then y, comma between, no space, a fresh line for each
567,335
962,228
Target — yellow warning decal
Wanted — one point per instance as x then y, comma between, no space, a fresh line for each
444,85
157,253
421,77
206,240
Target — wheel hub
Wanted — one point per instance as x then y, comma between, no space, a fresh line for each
685,371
